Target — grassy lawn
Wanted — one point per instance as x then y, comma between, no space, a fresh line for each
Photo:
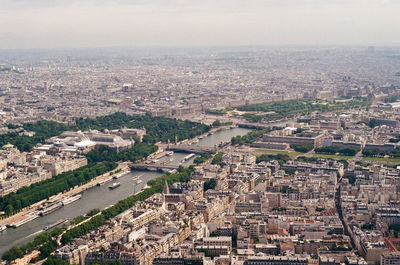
267,151
333,156
381,159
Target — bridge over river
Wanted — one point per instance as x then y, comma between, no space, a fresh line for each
153,167
188,148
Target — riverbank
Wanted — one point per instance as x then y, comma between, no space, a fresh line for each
122,167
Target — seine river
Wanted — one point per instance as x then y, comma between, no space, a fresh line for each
102,197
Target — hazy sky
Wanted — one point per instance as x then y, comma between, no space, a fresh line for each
100,23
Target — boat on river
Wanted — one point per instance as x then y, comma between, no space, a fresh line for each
51,208
48,227
23,220
186,158
101,183
114,185
71,199
117,176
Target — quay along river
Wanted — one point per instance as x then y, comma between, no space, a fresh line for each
102,197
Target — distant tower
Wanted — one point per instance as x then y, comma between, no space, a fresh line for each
166,188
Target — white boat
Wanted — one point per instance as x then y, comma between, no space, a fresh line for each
114,185
139,181
186,158
23,220
3,228
51,208
71,199
101,183
117,176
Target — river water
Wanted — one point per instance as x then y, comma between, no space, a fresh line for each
102,197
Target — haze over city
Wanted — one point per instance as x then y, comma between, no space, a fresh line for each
88,23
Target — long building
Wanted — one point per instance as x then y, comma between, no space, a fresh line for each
315,141
277,260
187,260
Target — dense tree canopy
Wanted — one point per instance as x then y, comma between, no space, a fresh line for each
44,242
250,137
105,153
373,123
216,111
203,158
211,184
336,149
307,159
290,108
12,254
374,152
36,192
391,99
42,129
217,160
158,129
281,158
304,148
